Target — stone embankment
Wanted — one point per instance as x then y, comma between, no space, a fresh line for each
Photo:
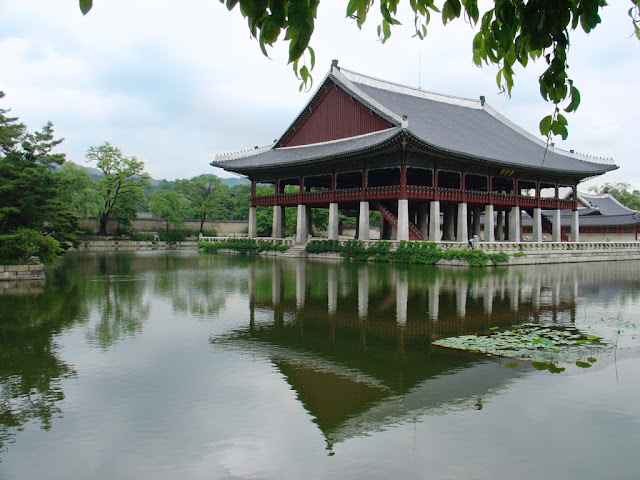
131,246
523,253
21,279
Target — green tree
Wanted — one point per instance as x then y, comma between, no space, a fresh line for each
622,192
170,206
28,194
77,190
122,183
509,32
208,197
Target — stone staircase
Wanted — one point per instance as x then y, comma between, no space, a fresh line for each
296,251
392,218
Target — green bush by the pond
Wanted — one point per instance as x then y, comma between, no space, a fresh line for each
243,245
143,237
24,244
177,235
422,253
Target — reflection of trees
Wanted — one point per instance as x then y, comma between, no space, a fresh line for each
30,371
199,288
116,295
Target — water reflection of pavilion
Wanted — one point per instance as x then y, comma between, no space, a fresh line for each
353,340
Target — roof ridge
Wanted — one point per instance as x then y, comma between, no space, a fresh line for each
408,90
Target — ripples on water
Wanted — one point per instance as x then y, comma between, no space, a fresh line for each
178,364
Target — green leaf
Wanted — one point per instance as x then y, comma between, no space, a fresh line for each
545,125
540,365
591,360
583,364
85,6
575,100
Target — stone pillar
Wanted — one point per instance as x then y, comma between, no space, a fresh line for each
253,223
363,221
537,225
575,226
449,224
499,226
301,227
556,235
308,217
434,221
488,224
463,233
423,224
514,224
477,212
278,214
403,219
333,221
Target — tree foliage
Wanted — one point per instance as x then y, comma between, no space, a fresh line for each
170,206
29,203
77,190
208,198
510,31
122,185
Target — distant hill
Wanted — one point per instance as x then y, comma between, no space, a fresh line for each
231,182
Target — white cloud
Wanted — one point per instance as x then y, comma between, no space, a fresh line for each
173,84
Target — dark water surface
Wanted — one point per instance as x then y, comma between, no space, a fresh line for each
172,365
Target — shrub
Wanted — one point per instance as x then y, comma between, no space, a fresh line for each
177,235
143,237
423,253
322,246
23,244
209,233
244,245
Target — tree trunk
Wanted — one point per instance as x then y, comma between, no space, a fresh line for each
204,217
104,218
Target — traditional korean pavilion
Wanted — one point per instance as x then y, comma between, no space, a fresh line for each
437,167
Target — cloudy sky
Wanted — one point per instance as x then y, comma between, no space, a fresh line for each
174,83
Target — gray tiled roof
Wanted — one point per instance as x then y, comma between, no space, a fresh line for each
475,133
462,127
606,204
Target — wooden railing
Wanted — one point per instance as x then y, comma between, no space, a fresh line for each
413,192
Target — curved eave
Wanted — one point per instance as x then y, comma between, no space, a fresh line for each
416,141
391,141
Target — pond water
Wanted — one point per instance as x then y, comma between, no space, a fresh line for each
172,365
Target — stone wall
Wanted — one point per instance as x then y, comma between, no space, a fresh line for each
21,272
131,246
21,279
147,225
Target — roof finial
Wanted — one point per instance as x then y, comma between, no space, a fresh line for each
482,100
405,121
334,64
